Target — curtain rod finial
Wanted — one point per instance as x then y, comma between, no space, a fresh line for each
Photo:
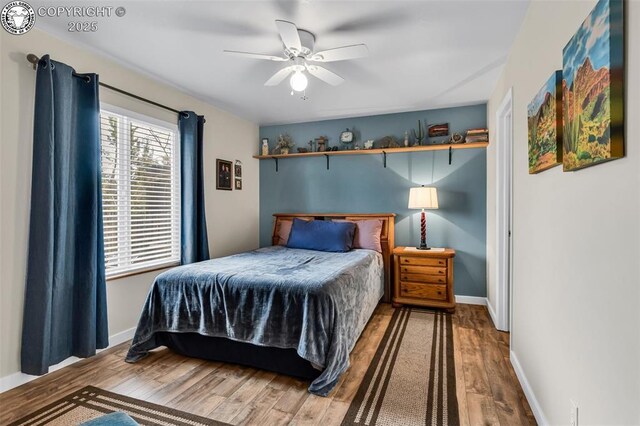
33,59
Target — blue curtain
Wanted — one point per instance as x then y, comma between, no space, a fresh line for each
65,310
195,244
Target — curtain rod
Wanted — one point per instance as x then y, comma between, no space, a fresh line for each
34,60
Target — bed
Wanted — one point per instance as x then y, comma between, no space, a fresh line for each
294,311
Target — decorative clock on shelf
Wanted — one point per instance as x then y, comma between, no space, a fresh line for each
346,136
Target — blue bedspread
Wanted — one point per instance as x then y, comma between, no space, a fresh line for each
315,302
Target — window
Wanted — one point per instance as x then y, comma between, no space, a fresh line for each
140,192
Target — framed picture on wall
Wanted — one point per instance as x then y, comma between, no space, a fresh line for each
238,169
238,184
544,117
593,89
223,174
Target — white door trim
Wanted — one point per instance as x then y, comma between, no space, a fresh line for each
504,201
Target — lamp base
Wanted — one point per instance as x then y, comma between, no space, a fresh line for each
423,248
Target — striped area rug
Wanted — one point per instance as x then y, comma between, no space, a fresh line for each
411,379
89,403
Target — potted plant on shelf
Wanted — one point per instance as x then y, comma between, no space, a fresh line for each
419,134
284,144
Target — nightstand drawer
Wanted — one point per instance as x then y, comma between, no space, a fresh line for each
422,269
423,291
405,260
413,269
426,270
434,279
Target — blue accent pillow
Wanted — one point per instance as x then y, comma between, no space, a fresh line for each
113,419
322,235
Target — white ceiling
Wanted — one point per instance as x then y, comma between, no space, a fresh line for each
423,54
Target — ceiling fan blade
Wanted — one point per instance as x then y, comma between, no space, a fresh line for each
289,35
255,55
325,75
278,77
341,53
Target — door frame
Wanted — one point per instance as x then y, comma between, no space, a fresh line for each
504,212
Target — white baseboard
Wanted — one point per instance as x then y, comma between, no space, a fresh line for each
472,300
16,379
528,392
121,337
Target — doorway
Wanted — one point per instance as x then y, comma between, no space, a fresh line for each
504,212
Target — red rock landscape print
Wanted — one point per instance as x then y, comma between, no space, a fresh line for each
544,117
592,89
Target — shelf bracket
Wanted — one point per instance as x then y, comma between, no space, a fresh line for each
276,160
384,159
450,154
327,157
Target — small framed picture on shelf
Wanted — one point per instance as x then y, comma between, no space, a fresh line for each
238,184
238,169
436,130
223,174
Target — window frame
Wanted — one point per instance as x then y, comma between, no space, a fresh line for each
176,169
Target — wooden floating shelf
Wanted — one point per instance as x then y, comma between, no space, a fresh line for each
435,147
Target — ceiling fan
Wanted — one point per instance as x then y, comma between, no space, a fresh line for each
298,51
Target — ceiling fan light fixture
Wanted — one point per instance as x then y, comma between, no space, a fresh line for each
299,48
298,81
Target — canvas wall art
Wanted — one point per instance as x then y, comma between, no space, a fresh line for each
544,117
593,89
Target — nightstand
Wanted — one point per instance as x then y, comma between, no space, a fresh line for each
423,277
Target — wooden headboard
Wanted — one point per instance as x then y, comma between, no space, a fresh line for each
386,238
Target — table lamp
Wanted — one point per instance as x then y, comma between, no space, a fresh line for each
423,197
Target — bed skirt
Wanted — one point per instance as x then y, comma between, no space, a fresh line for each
282,361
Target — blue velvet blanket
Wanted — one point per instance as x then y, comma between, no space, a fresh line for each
315,302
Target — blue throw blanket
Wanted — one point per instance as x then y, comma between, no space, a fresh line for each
315,302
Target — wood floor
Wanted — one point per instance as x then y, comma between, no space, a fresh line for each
488,391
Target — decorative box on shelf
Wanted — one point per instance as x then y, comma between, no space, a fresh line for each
423,277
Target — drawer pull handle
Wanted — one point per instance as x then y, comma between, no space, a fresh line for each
406,278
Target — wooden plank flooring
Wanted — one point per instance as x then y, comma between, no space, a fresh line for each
487,388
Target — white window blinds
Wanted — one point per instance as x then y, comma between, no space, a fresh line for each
140,193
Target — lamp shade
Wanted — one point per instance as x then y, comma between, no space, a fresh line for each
424,197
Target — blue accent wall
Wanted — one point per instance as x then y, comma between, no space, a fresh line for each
360,184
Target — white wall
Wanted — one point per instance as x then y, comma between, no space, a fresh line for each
232,216
576,287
